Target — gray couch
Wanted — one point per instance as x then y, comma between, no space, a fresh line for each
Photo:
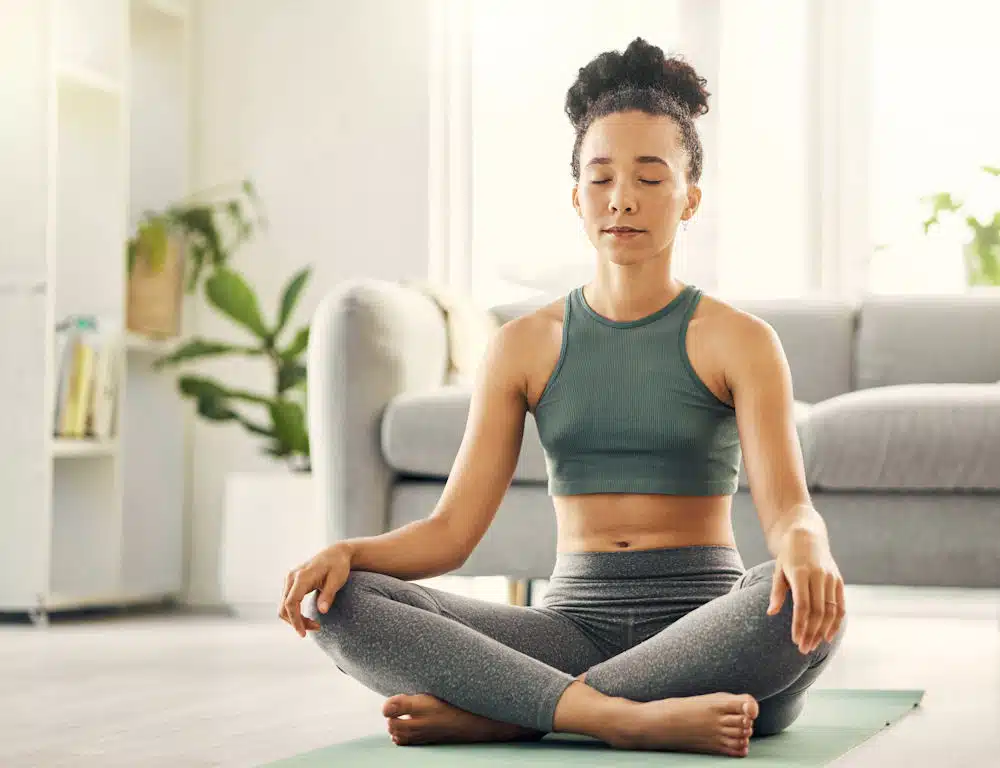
898,414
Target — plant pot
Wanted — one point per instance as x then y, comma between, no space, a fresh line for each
154,293
271,524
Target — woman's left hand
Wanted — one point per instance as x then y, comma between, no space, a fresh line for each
805,566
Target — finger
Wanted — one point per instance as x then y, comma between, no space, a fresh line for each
330,587
841,609
830,616
293,603
282,613
799,583
818,609
779,589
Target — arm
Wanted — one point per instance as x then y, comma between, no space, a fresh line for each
761,383
478,480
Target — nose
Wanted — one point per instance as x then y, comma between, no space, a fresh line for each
622,199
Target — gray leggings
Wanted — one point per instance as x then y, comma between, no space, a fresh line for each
643,624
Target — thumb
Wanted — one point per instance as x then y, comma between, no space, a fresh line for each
779,589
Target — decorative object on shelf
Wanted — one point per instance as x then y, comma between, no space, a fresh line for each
982,252
171,249
87,359
286,432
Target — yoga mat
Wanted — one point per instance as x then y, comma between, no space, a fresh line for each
834,722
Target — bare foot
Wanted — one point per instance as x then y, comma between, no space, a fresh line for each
718,723
424,719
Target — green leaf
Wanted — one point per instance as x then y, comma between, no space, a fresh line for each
201,387
290,375
939,203
198,348
992,169
298,345
229,293
196,255
133,251
290,298
152,239
214,409
289,425
256,428
199,220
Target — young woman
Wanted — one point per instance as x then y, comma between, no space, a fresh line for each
647,394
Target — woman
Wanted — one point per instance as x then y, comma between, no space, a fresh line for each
646,394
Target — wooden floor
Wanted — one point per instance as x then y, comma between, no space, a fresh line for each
185,689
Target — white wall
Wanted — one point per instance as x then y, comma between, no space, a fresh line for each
324,104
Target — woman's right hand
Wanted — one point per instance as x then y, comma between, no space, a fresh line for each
327,572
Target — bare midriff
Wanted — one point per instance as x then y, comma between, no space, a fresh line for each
610,522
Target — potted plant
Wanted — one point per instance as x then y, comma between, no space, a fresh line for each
982,251
269,519
170,250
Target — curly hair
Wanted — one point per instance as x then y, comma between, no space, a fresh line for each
640,79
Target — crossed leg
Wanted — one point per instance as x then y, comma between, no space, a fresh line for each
728,644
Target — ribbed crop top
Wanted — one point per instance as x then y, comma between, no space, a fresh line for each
625,412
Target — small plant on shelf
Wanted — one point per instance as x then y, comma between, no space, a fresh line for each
172,249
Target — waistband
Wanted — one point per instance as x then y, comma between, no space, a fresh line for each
646,563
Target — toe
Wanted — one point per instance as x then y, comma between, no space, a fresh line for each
736,747
750,706
395,706
735,720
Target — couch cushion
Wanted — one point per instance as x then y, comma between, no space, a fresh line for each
928,339
422,432
934,437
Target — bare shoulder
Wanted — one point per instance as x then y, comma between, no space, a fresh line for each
726,343
528,347
730,325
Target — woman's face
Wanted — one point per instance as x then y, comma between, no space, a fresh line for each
633,173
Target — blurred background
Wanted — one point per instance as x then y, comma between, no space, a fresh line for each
185,181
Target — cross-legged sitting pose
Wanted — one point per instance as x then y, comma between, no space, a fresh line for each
647,394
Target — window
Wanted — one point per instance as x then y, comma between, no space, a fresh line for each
936,121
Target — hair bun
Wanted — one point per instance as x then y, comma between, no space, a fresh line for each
642,65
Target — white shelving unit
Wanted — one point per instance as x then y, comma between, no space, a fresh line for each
95,130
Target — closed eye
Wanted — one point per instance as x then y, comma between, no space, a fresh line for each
644,181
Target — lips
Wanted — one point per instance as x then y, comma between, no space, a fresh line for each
623,230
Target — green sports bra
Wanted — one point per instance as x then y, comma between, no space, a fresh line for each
624,411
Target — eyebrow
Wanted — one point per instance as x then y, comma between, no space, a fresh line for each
640,159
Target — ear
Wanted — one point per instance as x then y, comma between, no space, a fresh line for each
576,200
693,201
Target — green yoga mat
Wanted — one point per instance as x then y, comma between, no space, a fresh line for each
834,722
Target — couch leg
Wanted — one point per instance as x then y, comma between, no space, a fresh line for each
519,592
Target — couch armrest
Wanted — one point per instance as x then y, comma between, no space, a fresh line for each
370,340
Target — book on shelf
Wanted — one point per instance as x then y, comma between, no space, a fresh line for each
88,359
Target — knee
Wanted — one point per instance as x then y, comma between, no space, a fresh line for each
762,572
348,602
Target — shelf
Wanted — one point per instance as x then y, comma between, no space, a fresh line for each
136,342
67,448
90,80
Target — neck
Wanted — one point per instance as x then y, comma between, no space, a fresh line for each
629,292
